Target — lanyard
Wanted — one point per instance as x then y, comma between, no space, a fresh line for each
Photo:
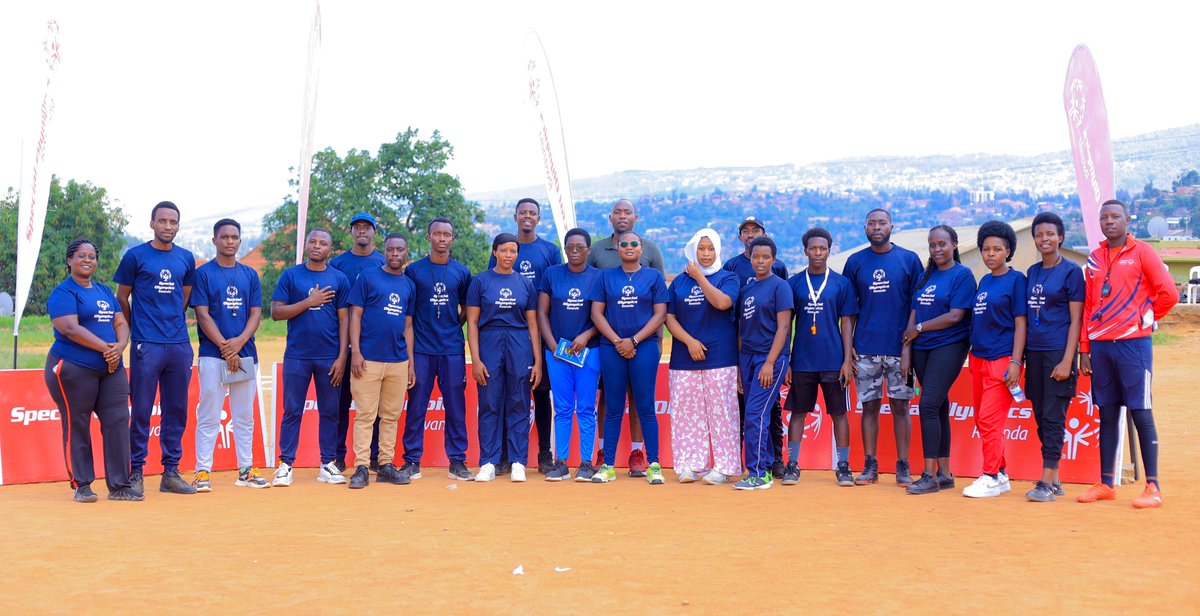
815,296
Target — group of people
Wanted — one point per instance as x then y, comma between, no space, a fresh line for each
372,329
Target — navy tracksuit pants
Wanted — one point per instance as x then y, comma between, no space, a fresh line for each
759,401
508,355
165,369
619,375
450,372
297,374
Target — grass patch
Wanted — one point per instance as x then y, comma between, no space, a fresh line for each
1161,337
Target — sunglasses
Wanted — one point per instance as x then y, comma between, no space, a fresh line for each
633,243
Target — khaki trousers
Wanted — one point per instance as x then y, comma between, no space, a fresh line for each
378,392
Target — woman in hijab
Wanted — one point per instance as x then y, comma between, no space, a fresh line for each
703,370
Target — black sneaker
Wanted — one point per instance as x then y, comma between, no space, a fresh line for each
558,471
1058,489
136,482
390,474
791,474
925,485
546,462
845,477
503,468
84,494
361,478
945,482
173,483
870,473
585,472
903,474
374,466
340,463
125,494
778,468
458,471
412,470
1041,493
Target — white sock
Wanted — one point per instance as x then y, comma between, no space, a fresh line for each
636,446
601,447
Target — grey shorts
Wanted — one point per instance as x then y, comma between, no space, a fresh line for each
870,373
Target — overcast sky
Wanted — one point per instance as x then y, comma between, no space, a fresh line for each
200,103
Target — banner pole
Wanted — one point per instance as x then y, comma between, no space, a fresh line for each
14,351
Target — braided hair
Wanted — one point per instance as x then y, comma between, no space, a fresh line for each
929,264
73,248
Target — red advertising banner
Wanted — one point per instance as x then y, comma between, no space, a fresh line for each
31,438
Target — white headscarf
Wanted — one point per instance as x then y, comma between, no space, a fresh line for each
689,251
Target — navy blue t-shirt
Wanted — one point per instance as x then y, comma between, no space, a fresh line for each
883,285
224,291
758,308
740,265
1051,291
502,299
533,259
94,307
312,334
156,304
822,351
441,289
998,301
352,265
570,301
387,301
715,329
944,291
629,300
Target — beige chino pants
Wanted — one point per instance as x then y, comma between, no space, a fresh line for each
380,391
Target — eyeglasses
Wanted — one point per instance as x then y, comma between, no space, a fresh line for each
633,243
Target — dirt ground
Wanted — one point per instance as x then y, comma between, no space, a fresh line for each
442,546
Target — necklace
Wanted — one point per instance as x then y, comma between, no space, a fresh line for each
1037,284
439,283
1106,290
815,296
229,284
630,275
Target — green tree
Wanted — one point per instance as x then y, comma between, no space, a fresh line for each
403,186
74,211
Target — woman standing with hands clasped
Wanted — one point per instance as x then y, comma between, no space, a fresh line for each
84,375
703,376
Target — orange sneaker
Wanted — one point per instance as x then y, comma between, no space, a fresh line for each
1097,492
1151,498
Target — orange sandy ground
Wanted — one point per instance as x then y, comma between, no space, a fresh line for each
442,546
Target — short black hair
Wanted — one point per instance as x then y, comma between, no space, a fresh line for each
879,209
321,230
396,235
503,238
226,221
587,238
164,204
816,232
1124,207
1002,230
763,241
437,220
73,247
530,200
1049,218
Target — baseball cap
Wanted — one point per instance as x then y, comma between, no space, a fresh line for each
750,220
365,217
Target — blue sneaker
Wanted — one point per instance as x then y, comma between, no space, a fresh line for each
755,483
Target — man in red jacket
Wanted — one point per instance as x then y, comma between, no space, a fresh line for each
1128,289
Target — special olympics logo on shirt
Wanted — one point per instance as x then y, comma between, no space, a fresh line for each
526,266
439,288
879,275
931,289
165,275
696,291
627,290
749,301
1037,289
102,305
231,291
506,292
394,298
574,293
982,297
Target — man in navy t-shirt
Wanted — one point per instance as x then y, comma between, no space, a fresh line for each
438,356
362,256
884,277
534,256
312,297
227,298
157,277
748,231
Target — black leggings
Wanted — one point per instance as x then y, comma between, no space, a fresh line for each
1050,400
78,392
936,370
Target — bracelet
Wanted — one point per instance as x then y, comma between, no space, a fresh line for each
633,339
1013,361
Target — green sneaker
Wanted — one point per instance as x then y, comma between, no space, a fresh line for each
606,474
754,483
654,474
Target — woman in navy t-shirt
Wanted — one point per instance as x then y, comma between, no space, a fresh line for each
1053,316
935,345
84,375
997,343
629,305
503,336
703,374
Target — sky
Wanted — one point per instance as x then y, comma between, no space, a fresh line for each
201,103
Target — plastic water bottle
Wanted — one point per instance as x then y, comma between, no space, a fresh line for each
1015,390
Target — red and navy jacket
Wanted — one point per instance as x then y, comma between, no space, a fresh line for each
1139,285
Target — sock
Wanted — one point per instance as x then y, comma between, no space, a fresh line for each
1147,435
636,446
794,451
1110,417
992,475
843,454
601,443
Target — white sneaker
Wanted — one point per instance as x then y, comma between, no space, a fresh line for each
715,478
283,475
1005,484
518,472
984,487
330,474
686,476
487,472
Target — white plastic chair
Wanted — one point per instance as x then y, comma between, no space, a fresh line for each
1193,289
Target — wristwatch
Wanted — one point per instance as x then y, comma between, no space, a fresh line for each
919,328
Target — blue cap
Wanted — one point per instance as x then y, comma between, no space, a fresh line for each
362,217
